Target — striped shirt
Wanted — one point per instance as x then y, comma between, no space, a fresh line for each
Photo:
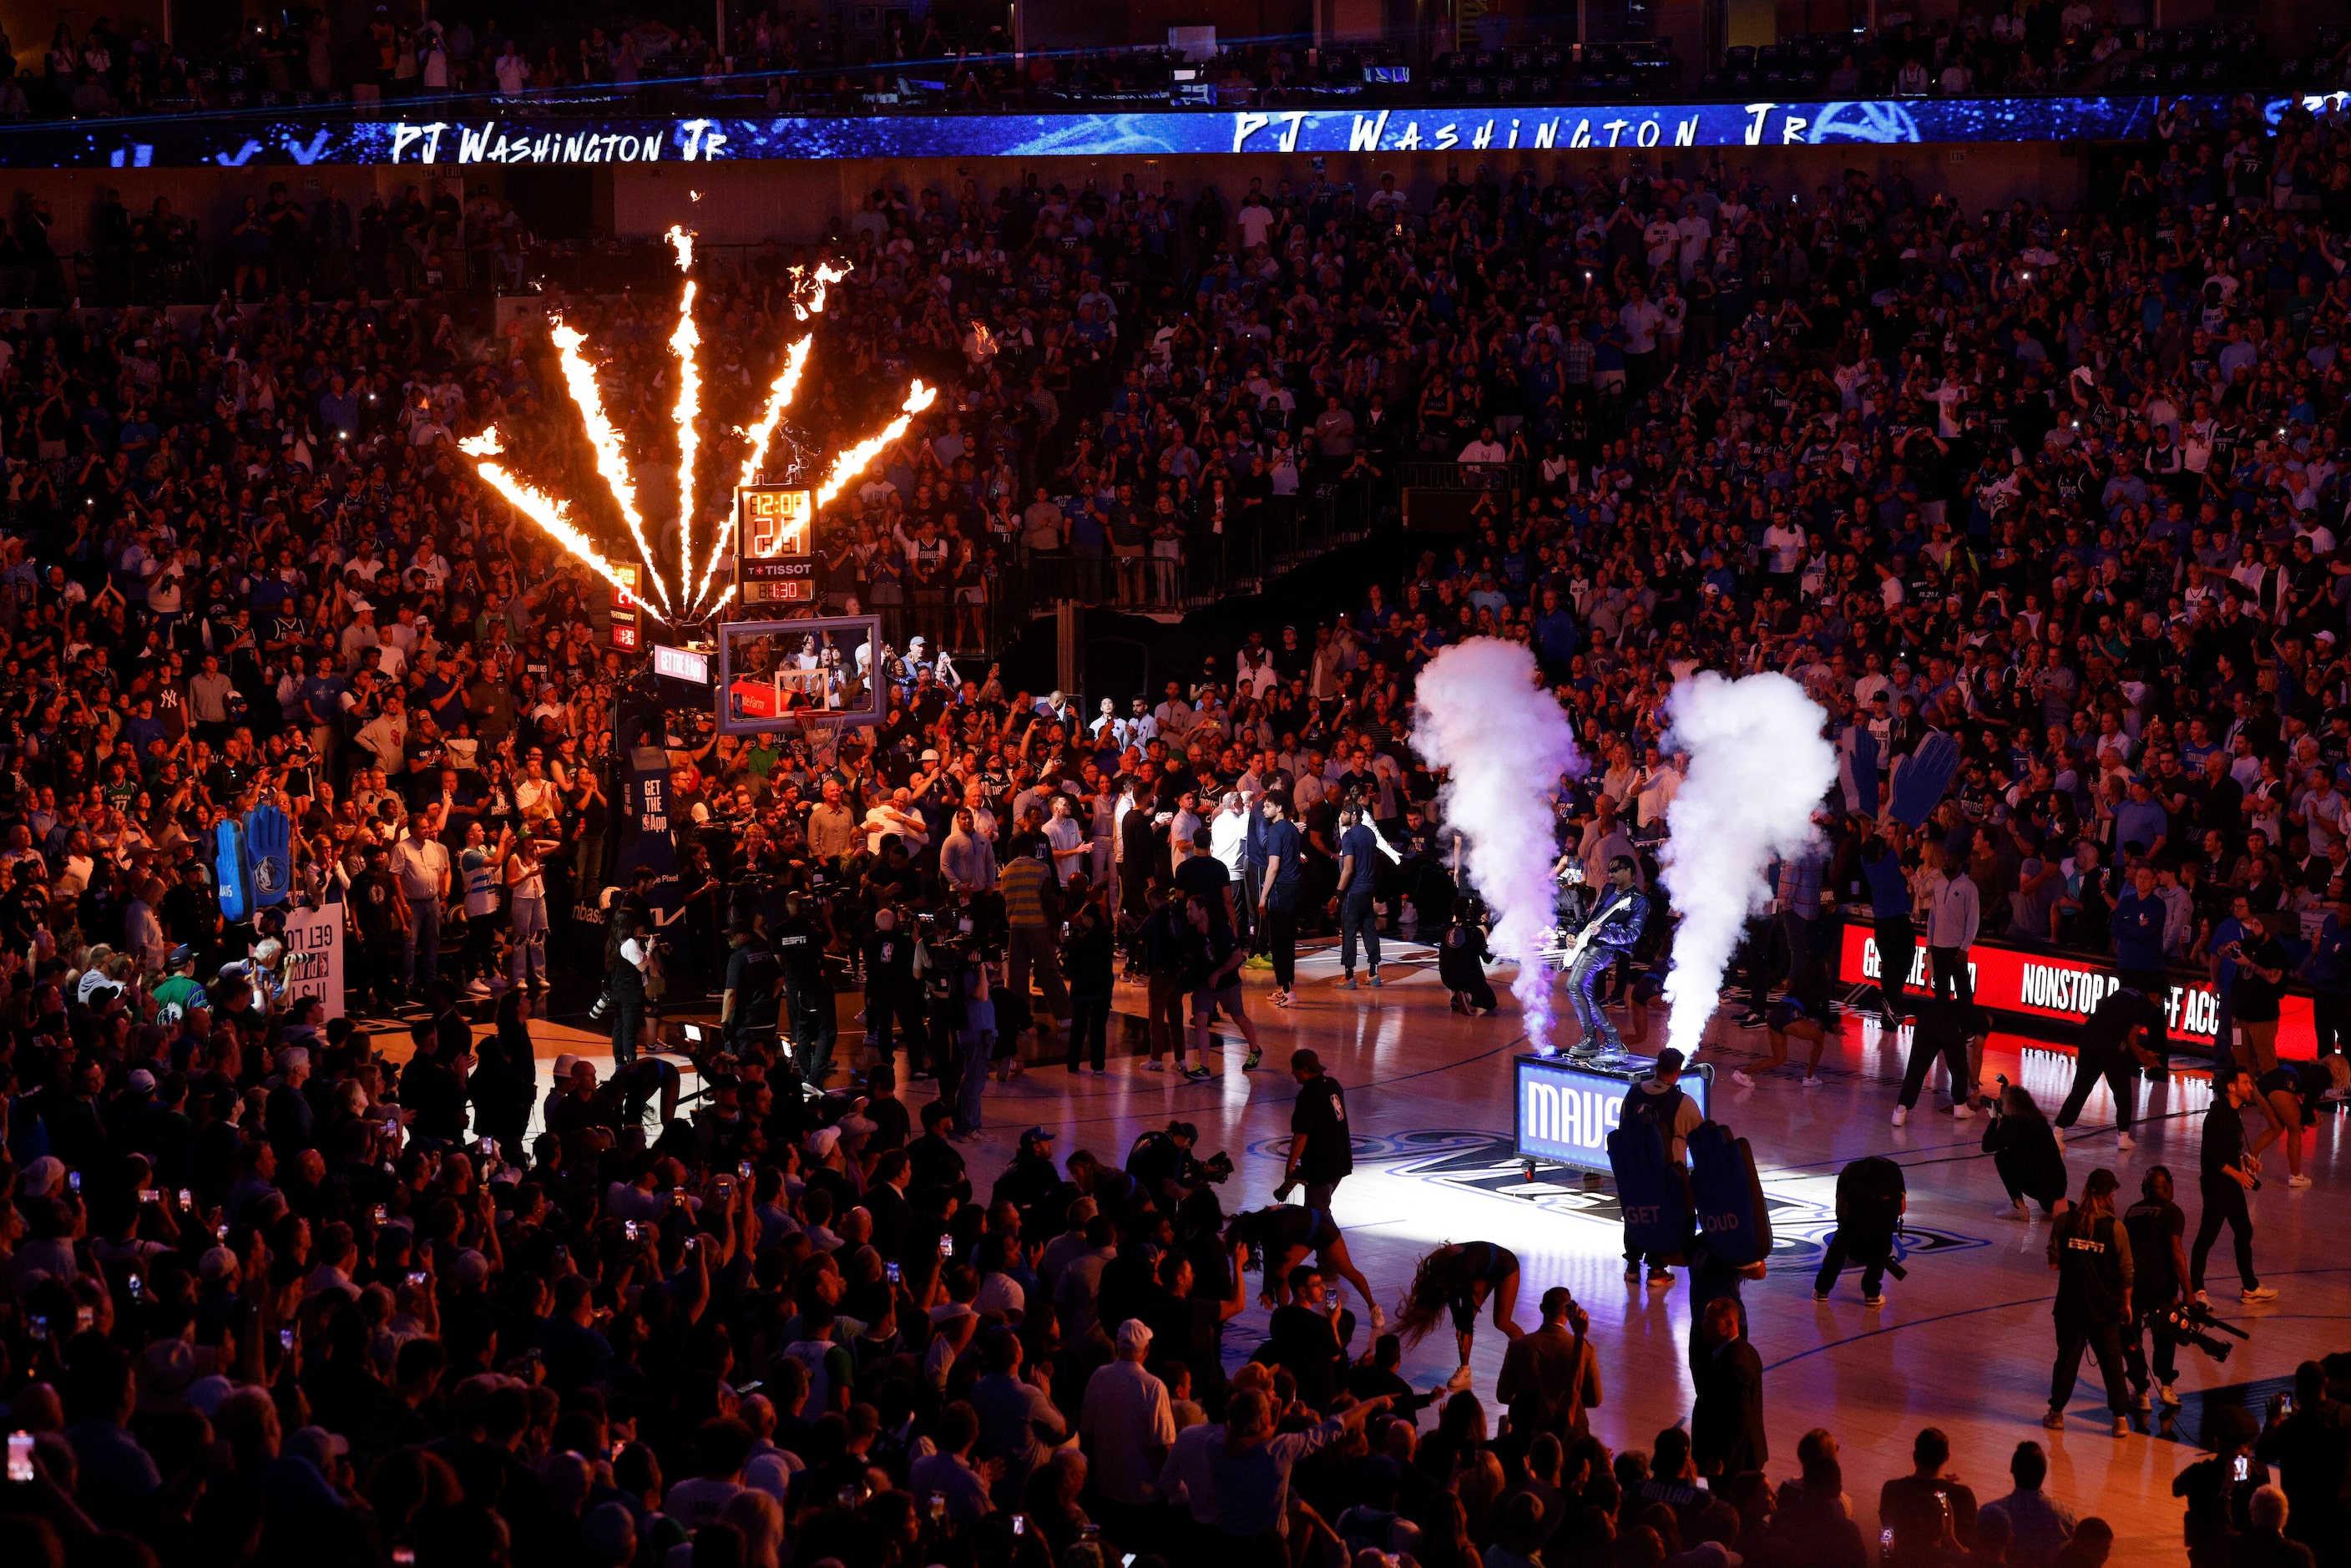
1023,884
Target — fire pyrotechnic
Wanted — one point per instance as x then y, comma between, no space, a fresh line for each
680,595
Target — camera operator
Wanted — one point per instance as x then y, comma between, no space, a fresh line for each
2253,1001
637,898
2160,1264
1161,1163
891,994
1461,958
2228,1170
797,943
627,955
758,880
2220,1491
2305,1434
979,984
748,1004
2091,1251
940,954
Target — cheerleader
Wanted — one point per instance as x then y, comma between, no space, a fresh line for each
1460,1278
1282,1234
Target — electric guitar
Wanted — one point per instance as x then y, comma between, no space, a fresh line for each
1573,947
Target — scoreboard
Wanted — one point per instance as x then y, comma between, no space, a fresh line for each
774,537
625,633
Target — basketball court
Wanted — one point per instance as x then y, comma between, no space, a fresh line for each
1964,1343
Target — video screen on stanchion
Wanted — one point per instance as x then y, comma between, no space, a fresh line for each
781,674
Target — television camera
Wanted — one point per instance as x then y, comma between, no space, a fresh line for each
1158,1157
2192,1323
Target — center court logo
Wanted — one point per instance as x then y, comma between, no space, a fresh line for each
1480,1163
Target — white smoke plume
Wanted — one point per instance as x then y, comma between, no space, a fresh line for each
1758,766
1504,742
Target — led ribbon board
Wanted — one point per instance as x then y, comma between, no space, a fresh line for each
468,137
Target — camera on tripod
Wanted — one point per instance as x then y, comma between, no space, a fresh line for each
1156,1156
951,947
2190,1322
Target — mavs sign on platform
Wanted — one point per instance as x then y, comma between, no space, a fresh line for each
471,132
1566,1109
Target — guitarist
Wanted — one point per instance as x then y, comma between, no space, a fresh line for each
1614,926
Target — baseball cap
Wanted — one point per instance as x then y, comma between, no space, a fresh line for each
1036,1136
165,1370
1134,1334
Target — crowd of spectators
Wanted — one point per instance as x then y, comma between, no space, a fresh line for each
2023,48
2063,491
787,58
807,59
2062,487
